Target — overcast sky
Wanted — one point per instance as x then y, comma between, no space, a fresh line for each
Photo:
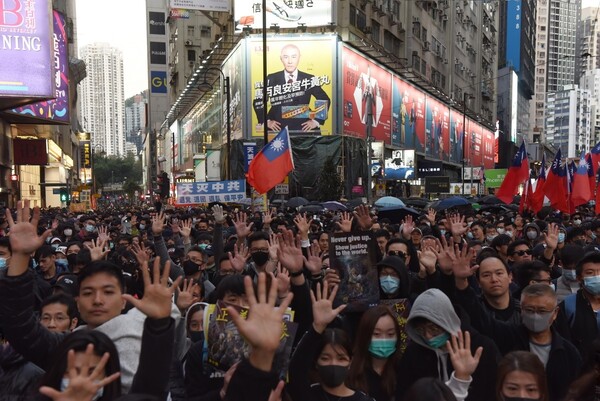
122,23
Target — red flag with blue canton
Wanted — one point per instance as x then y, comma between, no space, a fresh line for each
595,152
537,198
581,184
598,192
591,173
517,173
525,202
555,188
272,164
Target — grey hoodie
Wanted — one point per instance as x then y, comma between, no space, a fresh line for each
436,307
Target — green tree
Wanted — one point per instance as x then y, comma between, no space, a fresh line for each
329,183
118,170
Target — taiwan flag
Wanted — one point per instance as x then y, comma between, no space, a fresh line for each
272,164
537,198
516,175
555,187
595,152
591,173
581,194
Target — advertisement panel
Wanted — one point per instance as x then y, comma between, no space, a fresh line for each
513,34
25,50
494,177
428,168
158,53
86,153
456,188
33,152
203,5
250,150
54,110
156,23
488,148
299,84
158,80
232,68
365,85
286,14
437,130
401,166
408,105
439,185
456,137
206,192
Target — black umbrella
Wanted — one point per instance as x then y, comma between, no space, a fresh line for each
296,202
354,203
334,206
451,202
311,208
420,203
490,200
397,213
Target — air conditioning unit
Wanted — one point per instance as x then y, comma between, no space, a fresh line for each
189,43
456,61
415,20
415,53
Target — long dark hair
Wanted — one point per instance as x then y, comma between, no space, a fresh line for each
363,360
522,361
78,341
429,389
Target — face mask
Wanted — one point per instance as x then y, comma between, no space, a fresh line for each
561,237
469,223
594,236
72,258
536,322
509,233
190,268
68,232
443,232
470,235
382,348
196,336
62,263
592,284
570,275
500,231
332,375
142,226
202,246
3,263
64,384
577,222
260,257
438,341
490,238
532,234
389,284
89,228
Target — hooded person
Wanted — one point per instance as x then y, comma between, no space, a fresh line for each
393,278
431,324
531,233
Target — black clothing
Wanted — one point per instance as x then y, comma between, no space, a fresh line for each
582,328
17,376
200,386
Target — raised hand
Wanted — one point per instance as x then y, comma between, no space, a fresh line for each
457,225
314,263
443,249
185,228
363,217
103,234
242,229
98,249
459,350
408,225
552,236
141,254
263,327
239,257
461,265
23,234
346,222
431,215
276,392
303,225
156,303
322,306
54,225
158,223
428,260
273,246
267,217
84,383
218,214
283,282
290,253
226,379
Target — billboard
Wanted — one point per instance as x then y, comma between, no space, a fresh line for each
488,154
232,68
494,177
206,192
54,110
203,5
25,50
513,34
456,136
158,53
33,152
156,23
401,166
408,117
365,85
299,84
437,130
286,14
158,80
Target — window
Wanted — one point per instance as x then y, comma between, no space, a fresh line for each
190,31
416,30
191,55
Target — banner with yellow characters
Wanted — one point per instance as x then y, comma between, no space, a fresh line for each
299,84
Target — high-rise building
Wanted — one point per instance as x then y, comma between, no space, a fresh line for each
590,81
589,41
555,53
568,125
102,98
135,120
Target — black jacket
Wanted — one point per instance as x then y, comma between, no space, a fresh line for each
564,361
17,376
200,386
582,329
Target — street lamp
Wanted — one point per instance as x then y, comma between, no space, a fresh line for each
206,86
466,96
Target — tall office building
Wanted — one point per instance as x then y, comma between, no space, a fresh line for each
135,120
555,55
589,41
102,101
590,81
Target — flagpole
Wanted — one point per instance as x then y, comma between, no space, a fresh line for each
264,62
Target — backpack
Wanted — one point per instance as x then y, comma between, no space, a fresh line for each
570,306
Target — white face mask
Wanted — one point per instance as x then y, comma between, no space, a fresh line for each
509,233
64,384
500,231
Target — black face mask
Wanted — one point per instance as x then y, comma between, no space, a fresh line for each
72,258
196,336
190,268
260,257
332,375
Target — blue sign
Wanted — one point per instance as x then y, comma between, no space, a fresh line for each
215,191
513,34
158,80
249,153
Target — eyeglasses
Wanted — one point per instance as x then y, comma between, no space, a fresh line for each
397,253
429,328
522,253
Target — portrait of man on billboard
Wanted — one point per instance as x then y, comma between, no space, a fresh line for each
290,95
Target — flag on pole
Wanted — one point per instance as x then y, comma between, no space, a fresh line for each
595,152
581,184
517,173
272,164
537,198
555,187
525,202
591,172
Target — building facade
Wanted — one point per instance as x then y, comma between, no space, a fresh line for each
135,122
102,99
590,81
589,42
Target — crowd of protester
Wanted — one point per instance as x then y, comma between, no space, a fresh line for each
110,305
